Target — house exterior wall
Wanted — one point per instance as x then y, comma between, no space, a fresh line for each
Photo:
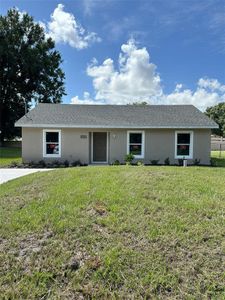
73,147
76,145
31,144
160,144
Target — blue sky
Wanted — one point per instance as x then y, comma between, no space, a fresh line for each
169,52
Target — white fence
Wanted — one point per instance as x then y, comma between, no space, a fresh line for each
217,143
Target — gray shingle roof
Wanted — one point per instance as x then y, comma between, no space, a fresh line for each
115,116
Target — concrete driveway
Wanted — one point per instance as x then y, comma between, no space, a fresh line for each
9,174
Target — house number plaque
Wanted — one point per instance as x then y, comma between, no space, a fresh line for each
83,136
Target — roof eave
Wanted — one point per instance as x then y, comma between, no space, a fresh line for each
111,127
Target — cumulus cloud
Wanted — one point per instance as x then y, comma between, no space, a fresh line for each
211,84
86,100
64,28
205,95
136,80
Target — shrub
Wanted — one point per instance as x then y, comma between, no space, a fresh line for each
213,162
32,164
42,163
154,162
129,158
49,165
116,162
140,163
167,161
180,162
76,163
66,163
56,164
196,162
13,164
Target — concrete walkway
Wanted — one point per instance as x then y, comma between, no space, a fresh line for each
9,174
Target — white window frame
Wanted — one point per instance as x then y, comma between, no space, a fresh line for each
142,132
190,156
44,143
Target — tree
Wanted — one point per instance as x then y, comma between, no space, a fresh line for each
142,103
217,113
29,69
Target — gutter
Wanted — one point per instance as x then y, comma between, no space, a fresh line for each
113,127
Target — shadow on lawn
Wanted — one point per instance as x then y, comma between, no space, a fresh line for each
218,162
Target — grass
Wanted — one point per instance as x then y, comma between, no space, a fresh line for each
218,159
9,155
114,232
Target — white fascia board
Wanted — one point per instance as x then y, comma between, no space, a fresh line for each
111,127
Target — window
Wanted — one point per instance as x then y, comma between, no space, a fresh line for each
51,143
183,144
135,143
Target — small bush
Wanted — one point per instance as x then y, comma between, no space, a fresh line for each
196,162
154,162
66,163
13,164
42,163
76,163
140,163
32,164
167,161
213,162
49,165
129,158
24,165
116,162
56,164
180,162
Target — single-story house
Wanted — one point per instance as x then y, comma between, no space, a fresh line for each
105,133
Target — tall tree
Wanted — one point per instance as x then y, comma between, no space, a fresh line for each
217,113
29,69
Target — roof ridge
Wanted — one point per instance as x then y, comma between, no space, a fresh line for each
124,105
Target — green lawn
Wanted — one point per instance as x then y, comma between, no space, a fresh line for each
114,232
218,158
9,155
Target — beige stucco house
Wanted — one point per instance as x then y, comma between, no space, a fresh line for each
105,133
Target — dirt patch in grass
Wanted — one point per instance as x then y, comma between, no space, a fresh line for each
27,257
98,208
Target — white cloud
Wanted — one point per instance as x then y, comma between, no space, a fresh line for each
136,80
63,28
86,100
202,97
21,13
43,25
211,84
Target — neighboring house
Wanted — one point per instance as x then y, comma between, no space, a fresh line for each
105,133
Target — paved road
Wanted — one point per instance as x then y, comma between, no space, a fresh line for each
9,174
